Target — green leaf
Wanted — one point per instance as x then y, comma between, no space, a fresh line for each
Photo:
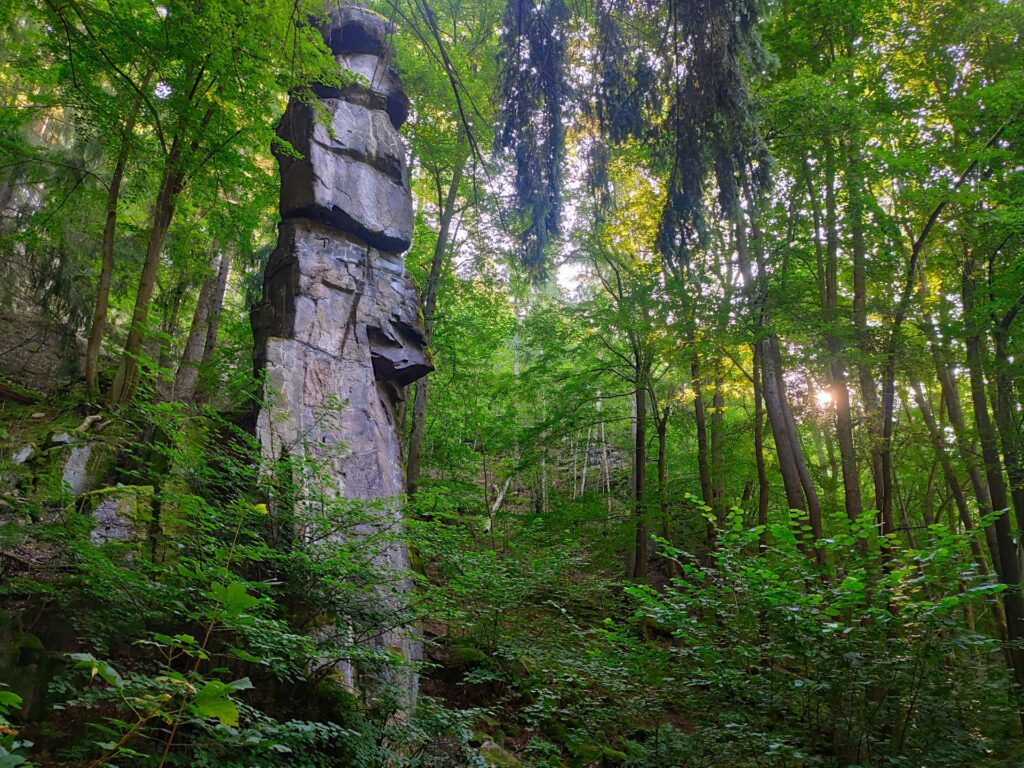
98,667
8,701
242,684
212,701
233,598
246,656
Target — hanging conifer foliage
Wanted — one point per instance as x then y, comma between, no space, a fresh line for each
532,89
711,124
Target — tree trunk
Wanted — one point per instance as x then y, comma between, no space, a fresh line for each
837,368
640,547
966,447
796,480
163,213
762,474
718,447
99,312
188,368
979,399
213,327
419,408
868,387
965,516
661,425
703,460
169,327
172,182
1008,559
1005,409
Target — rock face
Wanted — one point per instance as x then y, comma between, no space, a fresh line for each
339,333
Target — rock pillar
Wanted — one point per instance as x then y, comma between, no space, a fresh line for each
338,333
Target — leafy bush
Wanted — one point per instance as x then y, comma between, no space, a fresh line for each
875,666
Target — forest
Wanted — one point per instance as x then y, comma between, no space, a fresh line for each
512,383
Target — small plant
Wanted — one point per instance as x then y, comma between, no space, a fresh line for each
11,746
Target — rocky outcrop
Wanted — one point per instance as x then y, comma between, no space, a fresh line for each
338,334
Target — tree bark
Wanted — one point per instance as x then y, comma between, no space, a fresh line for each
640,546
1005,408
866,381
837,367
419,408
966,446
163,213
213,327
172,181
703,460
796,480
762,474
718,447
169,326
1008,560
955,489
188,368
99,312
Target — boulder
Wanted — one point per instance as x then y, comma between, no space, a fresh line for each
123,515
76,474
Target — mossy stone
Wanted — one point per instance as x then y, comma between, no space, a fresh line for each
497,756
613,755
465,655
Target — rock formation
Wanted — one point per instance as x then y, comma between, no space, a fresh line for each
338,333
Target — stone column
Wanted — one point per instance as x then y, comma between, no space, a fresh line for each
339,333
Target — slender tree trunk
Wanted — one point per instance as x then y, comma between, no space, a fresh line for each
762,473
979,398
661,418
700,421
661,425
169,327
172,182
640,472
718,447
1008,559
188,368
966,446
868,386
703,459
938,443
837,368
1005,408
163,213
796,480
813,507
606,466
213,326
99,312
586,461
419,408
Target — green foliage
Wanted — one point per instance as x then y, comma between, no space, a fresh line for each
222,626
11,747
856,666
208,634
